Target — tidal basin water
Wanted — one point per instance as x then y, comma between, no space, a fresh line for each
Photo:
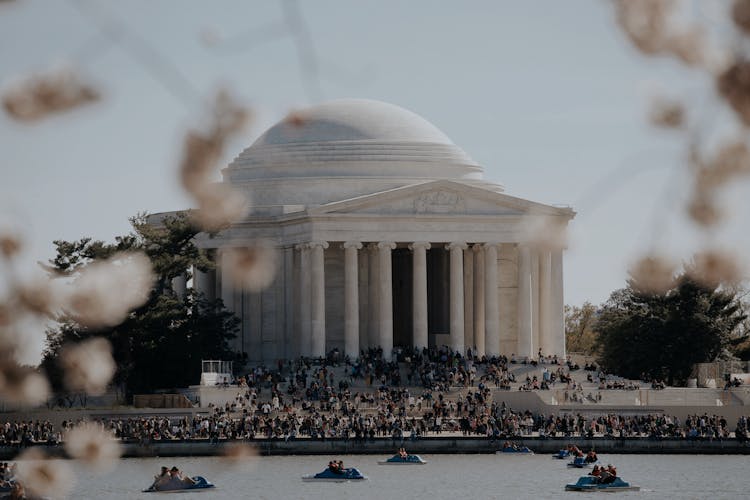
445,476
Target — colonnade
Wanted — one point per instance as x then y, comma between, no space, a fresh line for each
475,299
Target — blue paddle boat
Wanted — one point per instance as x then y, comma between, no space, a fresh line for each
200,484
350,474
408,460
591,483
515,449
581,463
561,454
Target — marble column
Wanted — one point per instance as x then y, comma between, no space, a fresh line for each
351,298
419,293
469,300
557,304
457,295
479,279
524,302
373,289
491,301
535,319
227,284
546,342
304,300
228,296
385,292
205,283
318,298
179,285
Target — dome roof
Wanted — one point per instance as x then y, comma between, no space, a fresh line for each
353,137
352,120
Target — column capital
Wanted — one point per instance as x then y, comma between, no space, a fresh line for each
386,244
419,245
323,244
489,244
456,245
351,244
301,246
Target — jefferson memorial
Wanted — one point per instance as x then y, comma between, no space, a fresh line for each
387,236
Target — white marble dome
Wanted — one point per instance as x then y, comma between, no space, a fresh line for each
353,120
346,148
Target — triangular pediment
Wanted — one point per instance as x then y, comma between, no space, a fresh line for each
436,198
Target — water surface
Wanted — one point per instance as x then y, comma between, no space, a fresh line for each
445,476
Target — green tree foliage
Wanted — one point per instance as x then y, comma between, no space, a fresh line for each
663,336
580,336
160,344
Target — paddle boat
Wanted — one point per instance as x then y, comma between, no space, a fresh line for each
349,474
399,460
201,483
581,463
591,483
514,448
561,454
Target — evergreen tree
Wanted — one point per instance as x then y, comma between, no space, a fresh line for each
662,336
160,344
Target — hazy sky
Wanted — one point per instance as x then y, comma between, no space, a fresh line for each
546,95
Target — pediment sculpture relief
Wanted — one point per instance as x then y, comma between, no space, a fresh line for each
441,202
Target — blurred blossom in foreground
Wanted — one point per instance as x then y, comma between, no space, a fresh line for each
704,211
667,113
6,317
218,204
241,456
41,95
715,267
106,291
741,15
22,385
88,365
42,476
252,268
653,28
10,244
653,274
732,160
546,232
93,445
40,296
645,22
734,85
688,45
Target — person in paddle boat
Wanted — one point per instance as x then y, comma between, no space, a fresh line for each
591,457
596,471
337,467
607,475
508,445
402,453
177,480
161,479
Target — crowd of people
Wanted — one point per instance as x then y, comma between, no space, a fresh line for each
395,414
368,398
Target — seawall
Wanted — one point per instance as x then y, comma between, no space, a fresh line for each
431,445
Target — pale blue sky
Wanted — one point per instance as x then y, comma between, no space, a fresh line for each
546,95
